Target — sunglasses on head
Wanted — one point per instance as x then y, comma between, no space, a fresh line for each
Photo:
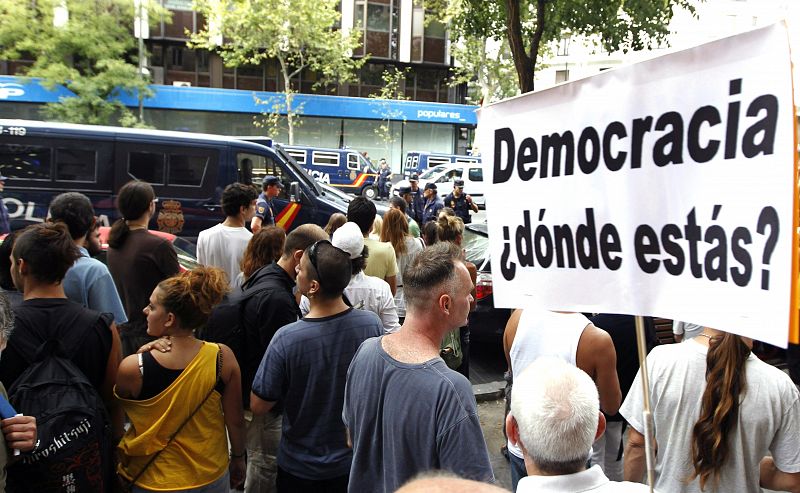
312,257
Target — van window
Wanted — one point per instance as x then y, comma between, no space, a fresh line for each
25,162
147,166
187,171
352,161
435,161
263,166
299,155
476,174
321,158
77,165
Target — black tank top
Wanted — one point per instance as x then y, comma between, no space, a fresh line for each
156,378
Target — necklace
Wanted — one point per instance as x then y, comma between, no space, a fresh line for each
705,335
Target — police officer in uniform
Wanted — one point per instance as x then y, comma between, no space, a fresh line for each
417,203
433,204
461,203
265,213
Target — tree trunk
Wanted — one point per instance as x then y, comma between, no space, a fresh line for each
522,62
289,98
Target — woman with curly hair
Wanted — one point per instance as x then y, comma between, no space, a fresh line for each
265,247
718,412
181,402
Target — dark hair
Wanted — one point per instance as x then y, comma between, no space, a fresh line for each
433,269
719,413
430,233
335,222
191,295
75,210
399,202
133,201
265,247
449,228
235,196
6,281
360,263
362,211
302,237
332,270
48,251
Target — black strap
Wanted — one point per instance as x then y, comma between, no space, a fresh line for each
172,437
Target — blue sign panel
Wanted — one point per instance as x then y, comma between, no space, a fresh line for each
237,101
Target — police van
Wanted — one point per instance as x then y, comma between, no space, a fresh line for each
187,170
345,169
418,161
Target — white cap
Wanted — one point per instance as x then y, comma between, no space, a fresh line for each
349,238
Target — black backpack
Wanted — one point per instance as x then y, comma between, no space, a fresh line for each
74,449
226,323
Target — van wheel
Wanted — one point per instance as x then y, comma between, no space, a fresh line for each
369,192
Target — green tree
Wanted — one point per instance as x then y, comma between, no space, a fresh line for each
486,66
299,34
530,25
391,89
86,46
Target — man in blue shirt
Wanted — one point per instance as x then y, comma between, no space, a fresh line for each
417,203
88,281
305,368
265,213
433,204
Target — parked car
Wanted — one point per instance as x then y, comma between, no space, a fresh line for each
487,322
186,250
445,175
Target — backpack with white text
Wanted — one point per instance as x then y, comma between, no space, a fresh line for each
74,447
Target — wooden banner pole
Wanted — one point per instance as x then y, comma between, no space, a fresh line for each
647,417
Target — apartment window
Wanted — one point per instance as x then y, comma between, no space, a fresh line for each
427,42
378,21
563,46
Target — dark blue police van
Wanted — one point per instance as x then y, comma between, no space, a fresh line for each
418,161
345,169
187,170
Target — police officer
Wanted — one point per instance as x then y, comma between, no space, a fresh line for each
5,223
417,202
433,204
384,177
461,203
265,213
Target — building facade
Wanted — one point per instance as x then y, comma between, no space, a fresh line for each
196,92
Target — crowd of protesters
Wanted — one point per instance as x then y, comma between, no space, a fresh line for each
322,361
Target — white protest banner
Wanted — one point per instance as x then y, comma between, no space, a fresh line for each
663,188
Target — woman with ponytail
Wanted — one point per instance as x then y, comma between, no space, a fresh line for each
137,260
181,402
718,413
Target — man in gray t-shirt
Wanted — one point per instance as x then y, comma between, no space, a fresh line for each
405,410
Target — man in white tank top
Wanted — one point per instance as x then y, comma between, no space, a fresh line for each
571,337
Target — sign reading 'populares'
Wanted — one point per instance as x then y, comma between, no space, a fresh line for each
664,188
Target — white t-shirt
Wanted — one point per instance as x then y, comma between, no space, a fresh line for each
769,419
591,479
371,294
222,246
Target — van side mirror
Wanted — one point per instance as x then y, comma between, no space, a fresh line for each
294,192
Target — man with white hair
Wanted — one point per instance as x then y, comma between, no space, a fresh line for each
555,417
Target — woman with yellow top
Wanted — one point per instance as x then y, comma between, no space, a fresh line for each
180,402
